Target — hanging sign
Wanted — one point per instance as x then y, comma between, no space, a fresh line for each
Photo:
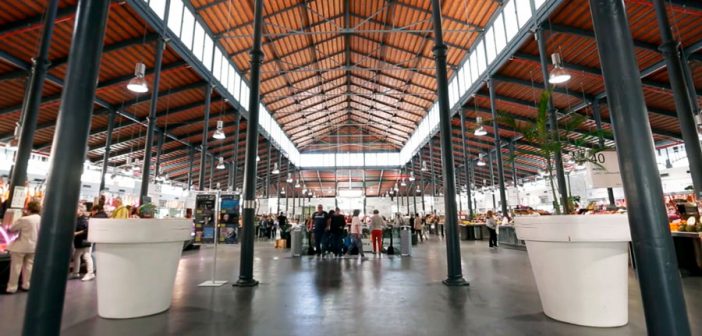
604,170
18,197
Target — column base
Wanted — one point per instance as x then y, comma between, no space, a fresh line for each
245,283
456,282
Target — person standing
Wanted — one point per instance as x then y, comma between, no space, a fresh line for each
356,232
81,247
418,226
319,221
22,249
336,228
121,211
377,224
492,227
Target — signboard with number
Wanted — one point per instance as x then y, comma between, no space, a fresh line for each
604,170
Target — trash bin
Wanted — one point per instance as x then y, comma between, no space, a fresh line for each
465,231
296,242
405,241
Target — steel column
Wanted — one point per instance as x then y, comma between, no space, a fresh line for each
453,252
414,192
431,162
277,188
151,121
235,160
690,82
205,136
466,160
597,115
683,100
553,119
492,181
661,288
246,278
498,149
191,163
32,103
212,168
515,177
159,149
268,172
108,146
45,302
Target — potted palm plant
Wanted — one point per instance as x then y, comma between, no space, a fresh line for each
579,262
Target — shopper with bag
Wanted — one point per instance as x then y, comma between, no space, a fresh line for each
22,249
356,234
377,224
492,228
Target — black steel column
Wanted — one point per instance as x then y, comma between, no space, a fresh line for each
431,169
467,161
285,187
108,145
246,278
159,150
515,178
553,120
596,114
45,302
492,180
205,136
661,288
235,160
212,171
268,172
416,183
32,103
151,120
498,149
277,188
689,81
453,252
683,100
191,163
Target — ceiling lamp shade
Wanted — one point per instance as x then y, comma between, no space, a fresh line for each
275,171
282,191
219,133
411,177
558,75
403,183
396,188
220,165
290,179
418,190
480,131
297,184
481,162
424,166
258,158
138,83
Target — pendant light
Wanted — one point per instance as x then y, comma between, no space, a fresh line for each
396,188
558,75
424,166
403,183
480,131
258,158
297,184
138,83
418,190
411,177
290,179
220,165
219,133
481,161
275,171
282,191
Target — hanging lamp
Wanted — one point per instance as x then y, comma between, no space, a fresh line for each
558,75
481,161
220,165
219,133
275,171
138,83
480,131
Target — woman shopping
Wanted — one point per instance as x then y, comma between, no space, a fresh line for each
22,249
492,228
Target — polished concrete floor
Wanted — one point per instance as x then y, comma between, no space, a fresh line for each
381,296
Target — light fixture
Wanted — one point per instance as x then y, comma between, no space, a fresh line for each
282,192
304,190
558,75
138,83
411,177
418,190
297,184
481,161
290,179
403,183
396,188
220,165
258,158
219,133
275,171
424,166
480,131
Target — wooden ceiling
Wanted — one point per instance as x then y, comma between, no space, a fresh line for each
336,76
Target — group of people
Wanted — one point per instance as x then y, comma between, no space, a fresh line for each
268,227
22,249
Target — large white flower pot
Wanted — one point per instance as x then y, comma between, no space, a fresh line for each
137,260
580,264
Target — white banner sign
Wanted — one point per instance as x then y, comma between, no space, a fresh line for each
604,170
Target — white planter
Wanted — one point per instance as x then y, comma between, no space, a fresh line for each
137,260
580,266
